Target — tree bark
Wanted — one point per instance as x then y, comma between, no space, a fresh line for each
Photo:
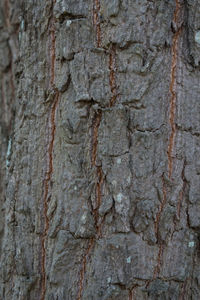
99,131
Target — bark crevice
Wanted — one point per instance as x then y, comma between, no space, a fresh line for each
173,83
50,146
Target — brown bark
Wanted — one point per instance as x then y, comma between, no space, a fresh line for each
99,141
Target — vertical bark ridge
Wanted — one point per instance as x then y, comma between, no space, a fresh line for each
173,88
2,92
156,226
12,85
9,120
52,54
49,172
180,199
10,69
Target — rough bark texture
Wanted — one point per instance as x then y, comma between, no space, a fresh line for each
100,147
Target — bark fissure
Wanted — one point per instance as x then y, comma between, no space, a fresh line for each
96,124
2,92
159,241
172,112
47,180
156,271
131,294
181,194
10,67
161,244
183,290
159,261
53,55
162,205
173,91
50,146
96,21
12,82
99,172
112,77
98,196
9,120
7,13
95,129
83,268
100,151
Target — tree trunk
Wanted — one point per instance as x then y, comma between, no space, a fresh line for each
99,130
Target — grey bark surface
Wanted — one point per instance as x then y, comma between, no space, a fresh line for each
100,147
